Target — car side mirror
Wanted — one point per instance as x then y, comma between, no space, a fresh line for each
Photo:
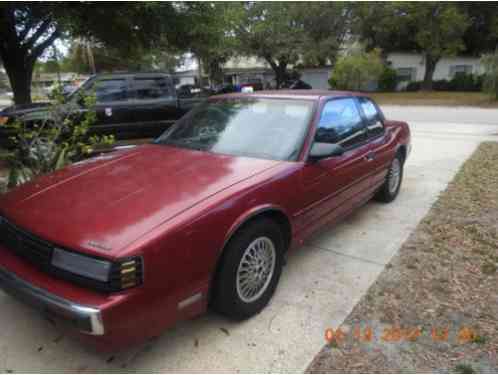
325,150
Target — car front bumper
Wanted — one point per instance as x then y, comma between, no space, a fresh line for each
86,319
108,322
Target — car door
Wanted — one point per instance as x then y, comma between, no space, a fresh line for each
335,185
155,106
379,140
112,106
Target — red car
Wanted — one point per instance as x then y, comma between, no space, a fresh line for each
122,246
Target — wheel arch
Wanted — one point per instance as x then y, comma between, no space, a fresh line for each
402,150
267,211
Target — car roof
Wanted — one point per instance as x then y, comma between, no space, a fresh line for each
290,94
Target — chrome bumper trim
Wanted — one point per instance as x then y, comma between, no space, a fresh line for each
86,318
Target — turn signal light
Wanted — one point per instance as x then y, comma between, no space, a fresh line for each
127,273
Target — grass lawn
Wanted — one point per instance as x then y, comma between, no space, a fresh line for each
438,98
434,308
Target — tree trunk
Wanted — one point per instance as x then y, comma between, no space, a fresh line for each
279,78
430,67
20,80
280,70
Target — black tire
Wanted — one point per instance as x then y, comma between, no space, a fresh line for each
386,192
226,297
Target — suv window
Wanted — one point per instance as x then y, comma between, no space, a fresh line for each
373,117
341,123
110,90
152,88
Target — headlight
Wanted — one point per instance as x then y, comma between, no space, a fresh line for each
3,120
81,265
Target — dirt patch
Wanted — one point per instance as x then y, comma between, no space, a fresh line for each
434,308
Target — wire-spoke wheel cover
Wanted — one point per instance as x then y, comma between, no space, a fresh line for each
256,269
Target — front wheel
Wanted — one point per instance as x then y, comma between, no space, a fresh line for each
390,189
250,269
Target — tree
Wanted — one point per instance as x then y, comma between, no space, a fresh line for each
284,34
26,32
434,29
356,70
482,34
326,27
208,35
27,29
440,28
83,58
490,63
378,26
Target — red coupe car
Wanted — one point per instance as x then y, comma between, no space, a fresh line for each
122,246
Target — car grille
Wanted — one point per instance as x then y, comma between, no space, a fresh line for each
39,253
24,244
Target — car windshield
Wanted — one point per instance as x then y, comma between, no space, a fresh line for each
254,127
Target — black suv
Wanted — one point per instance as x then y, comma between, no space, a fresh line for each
127,104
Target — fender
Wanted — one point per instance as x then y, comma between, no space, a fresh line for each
249,215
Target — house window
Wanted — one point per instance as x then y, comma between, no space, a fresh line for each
454,69
406,74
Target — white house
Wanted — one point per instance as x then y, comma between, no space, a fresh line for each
411,67
252,69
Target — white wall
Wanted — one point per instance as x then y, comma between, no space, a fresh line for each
317,78
407,60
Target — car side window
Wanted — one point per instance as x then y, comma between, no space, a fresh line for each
373,117
152,88
110,90
341,123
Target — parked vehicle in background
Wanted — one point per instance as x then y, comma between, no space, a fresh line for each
256,84
127,105
66,89
123,246
296,84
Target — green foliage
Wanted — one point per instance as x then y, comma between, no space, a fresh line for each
434,29
460,82
388,79
439,27
490,84
53,143
28,29
356,71
482,34
284,33
465,82
463,368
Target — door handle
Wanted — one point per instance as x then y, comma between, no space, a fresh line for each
370,156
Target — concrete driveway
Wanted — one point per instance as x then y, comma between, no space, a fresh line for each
320,285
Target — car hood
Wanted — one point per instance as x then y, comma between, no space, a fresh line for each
103,204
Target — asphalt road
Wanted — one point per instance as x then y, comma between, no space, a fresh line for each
320,285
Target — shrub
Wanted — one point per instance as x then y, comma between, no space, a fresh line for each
465,82
460,82
414,86
441,85
356,71
388,79
52,143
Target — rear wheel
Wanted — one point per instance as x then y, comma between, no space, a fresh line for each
250,269
390,189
